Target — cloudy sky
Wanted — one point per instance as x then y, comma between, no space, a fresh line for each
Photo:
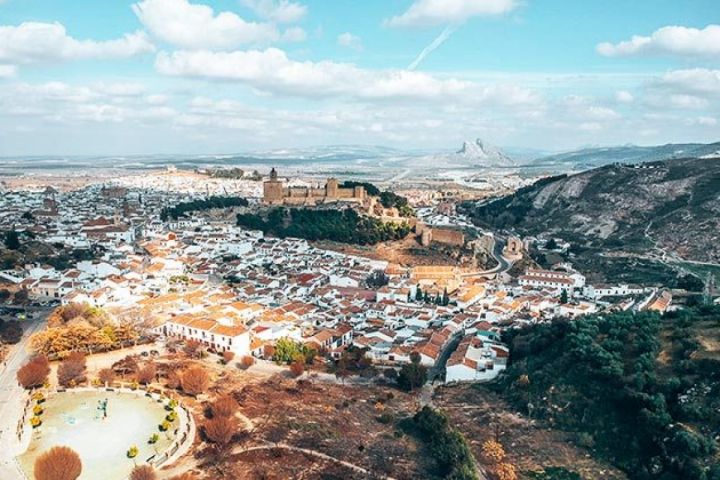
222,76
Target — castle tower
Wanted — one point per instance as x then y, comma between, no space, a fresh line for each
359,192
331,189
273,189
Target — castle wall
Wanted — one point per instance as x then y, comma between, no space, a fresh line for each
448,237
274,193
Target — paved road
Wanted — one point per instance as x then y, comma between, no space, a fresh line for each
11,401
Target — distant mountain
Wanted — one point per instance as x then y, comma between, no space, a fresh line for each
599,156
483,154
672,204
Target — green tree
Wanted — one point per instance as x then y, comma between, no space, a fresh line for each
12,240
418,294
564,297
412,375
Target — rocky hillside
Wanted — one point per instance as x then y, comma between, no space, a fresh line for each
673,205
599,156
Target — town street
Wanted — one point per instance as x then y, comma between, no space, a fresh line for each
12,398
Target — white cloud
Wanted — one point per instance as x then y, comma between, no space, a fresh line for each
33,42
61,102
8,71
271,70
624,96
695,80
189,25
443,12
670,40
280,11
348,40
294,34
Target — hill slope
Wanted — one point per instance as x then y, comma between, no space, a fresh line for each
674,205
599,156
636,389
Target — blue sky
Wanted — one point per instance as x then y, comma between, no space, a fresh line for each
202,76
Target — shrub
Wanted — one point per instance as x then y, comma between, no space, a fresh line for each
386,418
225,406
192,348
297,368
143,472
35,422
228,357
72,370
146,375
153,438
132,452
173,380
195,380
171,417
58,463
171,405
247,361
38,397
220,430
34,373
106,376
164,426
37,410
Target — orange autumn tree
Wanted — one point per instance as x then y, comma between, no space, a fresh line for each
143,472
58,463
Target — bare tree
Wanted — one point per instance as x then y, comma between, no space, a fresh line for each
58,463
106,375
72,369
247,361
195,380
228,357
220,430
34,373
297,368
143,472
225,406
192,348
147,373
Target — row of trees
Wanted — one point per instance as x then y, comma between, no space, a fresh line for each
345,226
388,199
182,209
420,296
82,337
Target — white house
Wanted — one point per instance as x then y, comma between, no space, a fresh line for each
476,360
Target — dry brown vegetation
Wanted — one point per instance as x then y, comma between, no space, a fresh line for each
225,406
143,472
351,423
146,374
195,380
485,419
34,373
72,370
58,463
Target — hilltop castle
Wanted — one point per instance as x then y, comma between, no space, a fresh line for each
276,193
